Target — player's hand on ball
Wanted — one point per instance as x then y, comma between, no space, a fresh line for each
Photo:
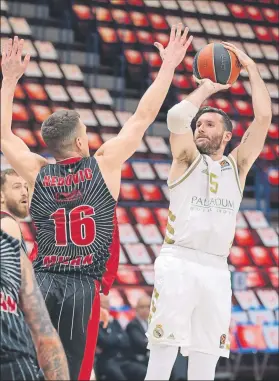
243,58
177,47
104,317
212,87
12,64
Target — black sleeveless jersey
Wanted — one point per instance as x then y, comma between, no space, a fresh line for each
75,218
16,340
23,244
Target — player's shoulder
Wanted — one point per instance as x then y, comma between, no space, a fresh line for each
11,228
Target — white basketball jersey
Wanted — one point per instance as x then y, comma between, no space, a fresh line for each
204,203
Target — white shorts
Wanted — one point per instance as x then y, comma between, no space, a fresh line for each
191,302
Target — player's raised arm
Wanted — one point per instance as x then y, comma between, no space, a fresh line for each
181,115
50,352
26,163
253,140
122,147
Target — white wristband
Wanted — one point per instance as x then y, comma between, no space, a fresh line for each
180,116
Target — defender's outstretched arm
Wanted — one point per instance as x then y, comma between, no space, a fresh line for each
26,163
122,147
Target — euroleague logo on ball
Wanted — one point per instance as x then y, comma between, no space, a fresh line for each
224,63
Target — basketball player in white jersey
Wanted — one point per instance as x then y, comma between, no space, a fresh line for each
191,304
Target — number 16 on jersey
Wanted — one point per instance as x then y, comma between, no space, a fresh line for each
82,227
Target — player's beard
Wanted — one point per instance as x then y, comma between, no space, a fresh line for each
210,146
16,208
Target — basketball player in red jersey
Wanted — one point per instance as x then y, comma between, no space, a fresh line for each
24,317
74,201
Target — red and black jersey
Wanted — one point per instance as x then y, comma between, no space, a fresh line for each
75,217
23,246
16,341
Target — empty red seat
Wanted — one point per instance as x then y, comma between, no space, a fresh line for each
158,22
271,15
102,14
188,63
250,337
129,192
224,105
40,112
108,35
273,176
127,171
238,130
273,276
139,19
238,88
82,11
238,11
275,34
145,37
94,141
243,107
238,256
260,256
19,93
121,17
254,277
244,237
122,215
133,57
162,215
162,38
153,59
20,113
262,33
128,275
143,216
275,254
39,137
180,80
151,192
136,3
35,91
254,13
273,131
267,153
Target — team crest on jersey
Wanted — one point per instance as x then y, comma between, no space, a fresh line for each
225,165
222,341
158,331
68,196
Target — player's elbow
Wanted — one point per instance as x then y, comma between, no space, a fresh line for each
173,116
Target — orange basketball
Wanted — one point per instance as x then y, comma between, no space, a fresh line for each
217,63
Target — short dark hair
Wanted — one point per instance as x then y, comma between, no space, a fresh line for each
5,173
226,120
59,129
